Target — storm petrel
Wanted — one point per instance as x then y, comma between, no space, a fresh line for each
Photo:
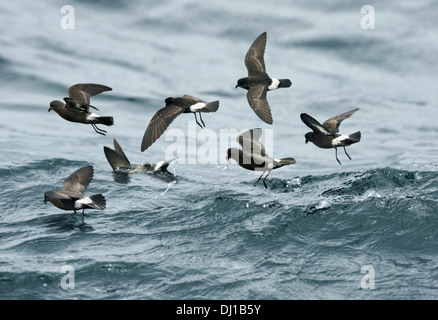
253,156
326,135
174,107
77,106
71,196
119,162
258,83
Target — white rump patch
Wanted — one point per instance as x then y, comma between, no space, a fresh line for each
79,204
339,141
274,85
92,117
197,106
159,165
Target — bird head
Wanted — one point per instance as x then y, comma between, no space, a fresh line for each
168,100
243,83
55,105
309,137
47,196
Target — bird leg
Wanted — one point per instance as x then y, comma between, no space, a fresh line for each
265,179
200,117
98,130
347,153
83,214
197,120
255,183
336,155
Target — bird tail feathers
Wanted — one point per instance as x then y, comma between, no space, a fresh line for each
287,161
211,107
353,138
98,202
108,121
284,83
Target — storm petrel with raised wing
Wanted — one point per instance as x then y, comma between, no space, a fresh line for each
326,135
120,163
253,156
258,83
71,196
77,106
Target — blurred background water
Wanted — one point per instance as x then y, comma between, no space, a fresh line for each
203,231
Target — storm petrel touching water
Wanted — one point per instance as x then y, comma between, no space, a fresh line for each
119,162
253,156
71,196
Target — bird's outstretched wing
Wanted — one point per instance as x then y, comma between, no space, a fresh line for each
83,91
257,101
117,157
186,96
250,142
333,123
159,123
76,105
314,125
119,150
254,60
79,180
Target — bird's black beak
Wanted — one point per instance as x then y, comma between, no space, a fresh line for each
45,201
50,109
307,140
237,85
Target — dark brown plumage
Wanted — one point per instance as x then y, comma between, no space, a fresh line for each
253,156
71,196
174,107
119,162
326,135
77,106
258,83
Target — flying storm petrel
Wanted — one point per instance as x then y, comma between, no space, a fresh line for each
77,105
258,83
174,107
326,135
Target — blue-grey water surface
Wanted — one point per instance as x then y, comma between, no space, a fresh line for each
363,230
